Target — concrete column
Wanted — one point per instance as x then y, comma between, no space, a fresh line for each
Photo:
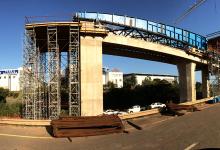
205,83
187,81
91,76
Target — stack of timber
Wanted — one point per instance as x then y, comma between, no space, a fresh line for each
177,107
173,109
86,126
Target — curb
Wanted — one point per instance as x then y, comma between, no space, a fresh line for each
26,122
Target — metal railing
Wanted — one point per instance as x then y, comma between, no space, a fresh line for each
194,40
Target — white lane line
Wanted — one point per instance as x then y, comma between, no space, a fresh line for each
23,136
191,146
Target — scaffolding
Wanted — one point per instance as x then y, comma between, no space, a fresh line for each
42,71
74,72
54,72
29,74
214,63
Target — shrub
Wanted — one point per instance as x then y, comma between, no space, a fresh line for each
13,94
3,94
10,110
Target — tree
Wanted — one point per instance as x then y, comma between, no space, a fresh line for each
198,90
130,82
3,94
147,81
109,86
198,87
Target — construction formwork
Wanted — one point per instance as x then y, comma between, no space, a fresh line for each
42,70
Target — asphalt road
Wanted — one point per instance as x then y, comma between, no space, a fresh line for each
198,130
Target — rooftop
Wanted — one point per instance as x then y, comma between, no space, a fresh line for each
147,74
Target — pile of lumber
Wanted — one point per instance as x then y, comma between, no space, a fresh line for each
86,126
177,107
173,109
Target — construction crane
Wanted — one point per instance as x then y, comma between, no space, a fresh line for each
188,11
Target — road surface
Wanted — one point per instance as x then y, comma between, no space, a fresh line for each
196,130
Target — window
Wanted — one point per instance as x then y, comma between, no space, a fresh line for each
13,77
4,77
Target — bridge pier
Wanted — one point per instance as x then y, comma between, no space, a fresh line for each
91,76
187,81
205,83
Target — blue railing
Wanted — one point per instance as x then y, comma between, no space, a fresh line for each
190,38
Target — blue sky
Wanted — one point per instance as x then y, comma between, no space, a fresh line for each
203,20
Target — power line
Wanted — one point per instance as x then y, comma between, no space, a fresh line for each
187,12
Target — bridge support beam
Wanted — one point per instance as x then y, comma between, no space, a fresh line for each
91,76
187,81
205,83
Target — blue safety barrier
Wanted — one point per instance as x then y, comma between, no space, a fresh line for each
192,39
214,100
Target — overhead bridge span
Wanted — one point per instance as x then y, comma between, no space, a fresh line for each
84,39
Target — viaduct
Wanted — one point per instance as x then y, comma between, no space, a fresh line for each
84,40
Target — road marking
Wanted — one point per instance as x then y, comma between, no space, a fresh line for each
24,136
151,124
191,146
161,121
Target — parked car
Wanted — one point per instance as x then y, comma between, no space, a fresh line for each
135,108
110,112
122,113
157,105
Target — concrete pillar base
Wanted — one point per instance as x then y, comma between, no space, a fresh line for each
187,81
91,76
205,83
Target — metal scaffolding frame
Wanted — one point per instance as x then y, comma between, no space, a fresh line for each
42,87
214,63
54,73
74,72
42,74
29,74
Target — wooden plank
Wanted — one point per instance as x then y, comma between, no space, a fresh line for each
86,126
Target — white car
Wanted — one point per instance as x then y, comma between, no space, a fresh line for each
122,113
157,105
111,112
135,108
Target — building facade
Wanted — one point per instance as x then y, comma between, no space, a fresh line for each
140,77
115,76
11,79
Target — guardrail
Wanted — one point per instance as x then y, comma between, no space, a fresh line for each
192,39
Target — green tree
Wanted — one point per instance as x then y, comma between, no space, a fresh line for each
198,90
130,82
3,94
147,81
198,87
109,86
